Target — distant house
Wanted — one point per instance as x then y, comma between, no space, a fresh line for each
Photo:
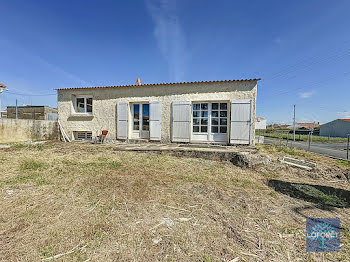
336,128
192,112
279,126
32,112
307,126
3,114
260,123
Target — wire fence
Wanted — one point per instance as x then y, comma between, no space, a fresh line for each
332,146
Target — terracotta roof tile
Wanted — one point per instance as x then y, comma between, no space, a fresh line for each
159,84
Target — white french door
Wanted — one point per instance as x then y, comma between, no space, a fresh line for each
210,121
140,123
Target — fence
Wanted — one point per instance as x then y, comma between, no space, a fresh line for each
335,147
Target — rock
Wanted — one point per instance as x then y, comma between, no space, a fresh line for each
347,174
246,159
156,240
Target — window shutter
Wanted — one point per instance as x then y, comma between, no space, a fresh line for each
122,120
181,121
155,120
241,121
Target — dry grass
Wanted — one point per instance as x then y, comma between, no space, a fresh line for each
126,206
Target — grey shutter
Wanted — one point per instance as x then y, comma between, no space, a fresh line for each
181,121
122,120
240,121
155,120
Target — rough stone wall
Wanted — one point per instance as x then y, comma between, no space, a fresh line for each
20,130
30,112
105,103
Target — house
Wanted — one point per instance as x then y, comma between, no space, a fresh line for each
279,126
32,112
192,112
336,128
3,114
306,126
260,123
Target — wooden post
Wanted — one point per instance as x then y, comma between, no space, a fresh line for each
347,148
309,140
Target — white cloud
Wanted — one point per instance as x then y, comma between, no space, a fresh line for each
344,114
307,94
169,35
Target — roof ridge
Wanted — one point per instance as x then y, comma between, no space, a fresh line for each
157,84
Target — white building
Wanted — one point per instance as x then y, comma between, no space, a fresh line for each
260,123
194,112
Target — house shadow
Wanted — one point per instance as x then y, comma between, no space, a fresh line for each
324,197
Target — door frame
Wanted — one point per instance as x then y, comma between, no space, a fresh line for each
138,134
209,135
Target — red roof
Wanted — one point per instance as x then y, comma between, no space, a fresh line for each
345,119
308,125
159,84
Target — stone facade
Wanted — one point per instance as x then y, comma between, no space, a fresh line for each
105,99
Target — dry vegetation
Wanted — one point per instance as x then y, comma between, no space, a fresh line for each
101,205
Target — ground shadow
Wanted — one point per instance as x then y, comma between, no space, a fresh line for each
324,196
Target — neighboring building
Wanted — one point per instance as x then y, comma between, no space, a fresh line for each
307,126
260,123
336,128
279,126
212,111
32,112
3,114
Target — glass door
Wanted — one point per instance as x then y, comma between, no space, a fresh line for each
144,130
140,125
218,122
209,122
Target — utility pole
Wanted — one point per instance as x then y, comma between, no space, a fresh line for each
2,88
294,125
16,110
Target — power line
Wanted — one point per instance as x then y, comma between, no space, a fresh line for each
30,94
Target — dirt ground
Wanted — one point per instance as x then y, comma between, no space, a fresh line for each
83,202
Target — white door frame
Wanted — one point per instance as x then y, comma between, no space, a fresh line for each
209,137
140,133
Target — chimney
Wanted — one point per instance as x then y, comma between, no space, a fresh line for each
138,81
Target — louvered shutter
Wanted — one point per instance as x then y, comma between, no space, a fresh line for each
181,121
155,120
122,120
240,121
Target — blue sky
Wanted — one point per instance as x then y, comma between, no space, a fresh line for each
301,49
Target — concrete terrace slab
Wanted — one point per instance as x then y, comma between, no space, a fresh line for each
240,156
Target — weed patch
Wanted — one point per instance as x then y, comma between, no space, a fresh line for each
343,163
32,165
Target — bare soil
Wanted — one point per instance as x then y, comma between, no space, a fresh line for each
83,202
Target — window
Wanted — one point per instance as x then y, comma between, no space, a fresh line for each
83,135
209,118
219,117
136,125
145,117
83,105
200,118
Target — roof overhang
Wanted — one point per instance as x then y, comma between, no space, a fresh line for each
163,84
